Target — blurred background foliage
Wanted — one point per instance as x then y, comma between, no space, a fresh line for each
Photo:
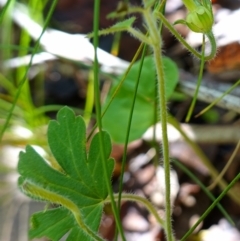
60,74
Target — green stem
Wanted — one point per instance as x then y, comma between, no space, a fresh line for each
211,207
161,8
116,43
141,37
218,99
205,189
157,53
99,119
129,128
118,87
213,45
226,167
212,171
185,44
190,111
89,99
142,200
165,146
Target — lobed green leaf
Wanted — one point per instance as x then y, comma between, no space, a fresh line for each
79,188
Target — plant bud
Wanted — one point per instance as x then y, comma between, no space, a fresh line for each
200,20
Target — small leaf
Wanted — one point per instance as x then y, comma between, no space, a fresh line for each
124,25
79,188
118,27
115,120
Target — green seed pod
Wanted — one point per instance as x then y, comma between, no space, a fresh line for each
200,20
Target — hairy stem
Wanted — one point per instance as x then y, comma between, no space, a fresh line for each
165,146
157,53
142,200
185,44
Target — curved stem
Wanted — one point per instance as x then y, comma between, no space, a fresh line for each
185,44
213,44
142,200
